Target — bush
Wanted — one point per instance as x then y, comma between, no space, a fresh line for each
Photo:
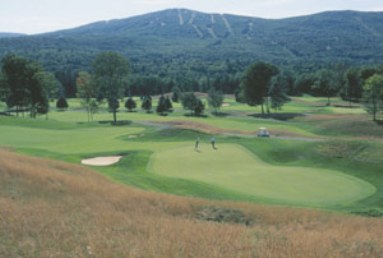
62,104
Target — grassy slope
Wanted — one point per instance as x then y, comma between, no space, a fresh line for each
55,209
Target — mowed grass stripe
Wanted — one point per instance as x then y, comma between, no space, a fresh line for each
235,168
80,140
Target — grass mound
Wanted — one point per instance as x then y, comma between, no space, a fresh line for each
235,168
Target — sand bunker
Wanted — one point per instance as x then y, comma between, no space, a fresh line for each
101,161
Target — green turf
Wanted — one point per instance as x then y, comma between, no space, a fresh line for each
233,167
343,161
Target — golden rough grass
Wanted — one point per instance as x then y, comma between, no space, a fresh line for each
53,209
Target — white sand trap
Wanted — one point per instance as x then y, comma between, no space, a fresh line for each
226,104
101,161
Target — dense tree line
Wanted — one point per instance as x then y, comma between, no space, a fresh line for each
261,83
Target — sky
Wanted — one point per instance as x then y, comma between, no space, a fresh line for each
39,16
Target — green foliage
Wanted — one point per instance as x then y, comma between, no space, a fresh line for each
49,82
277,92
373,94
86,90
130,104
110,74
161,107
199,108
62,104
147,104
167,54
168,104
215,99
192,103
28,85
353,88
176,94
255,83
327,84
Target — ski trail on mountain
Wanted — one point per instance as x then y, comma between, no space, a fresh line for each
199,32
212,19
368,28
181,19
212,33
227,24
192,18
251,26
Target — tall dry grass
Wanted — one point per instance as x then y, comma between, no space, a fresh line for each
53,209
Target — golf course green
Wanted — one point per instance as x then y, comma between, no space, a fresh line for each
312,159
233,167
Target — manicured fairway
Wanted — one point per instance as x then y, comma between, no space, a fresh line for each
234,167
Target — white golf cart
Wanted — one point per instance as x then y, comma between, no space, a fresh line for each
262,132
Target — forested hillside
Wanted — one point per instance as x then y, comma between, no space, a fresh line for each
10,35
190,47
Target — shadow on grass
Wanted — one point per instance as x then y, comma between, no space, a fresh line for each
346,106
220,114
117,123
194,115
278,116
5,114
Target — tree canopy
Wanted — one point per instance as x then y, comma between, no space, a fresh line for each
27,85
110,70
373,94
255,83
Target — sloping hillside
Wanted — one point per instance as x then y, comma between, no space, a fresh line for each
180,35
53,209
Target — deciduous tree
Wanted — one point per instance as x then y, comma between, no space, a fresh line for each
28,85
373,94
110,73
87,91
277,92
215,99
255,83
192,103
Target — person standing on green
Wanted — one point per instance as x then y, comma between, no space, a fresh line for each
212,141
196,146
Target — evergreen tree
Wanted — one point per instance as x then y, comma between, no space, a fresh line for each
147,104
199,108
161,107
168,104
176,94
62,104
130,104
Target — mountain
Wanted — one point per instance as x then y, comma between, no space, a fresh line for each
10,35
182,42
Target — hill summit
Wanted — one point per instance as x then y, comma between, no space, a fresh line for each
341,36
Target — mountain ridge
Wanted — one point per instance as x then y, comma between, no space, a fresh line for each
177,39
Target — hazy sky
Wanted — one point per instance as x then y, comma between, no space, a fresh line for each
36,16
